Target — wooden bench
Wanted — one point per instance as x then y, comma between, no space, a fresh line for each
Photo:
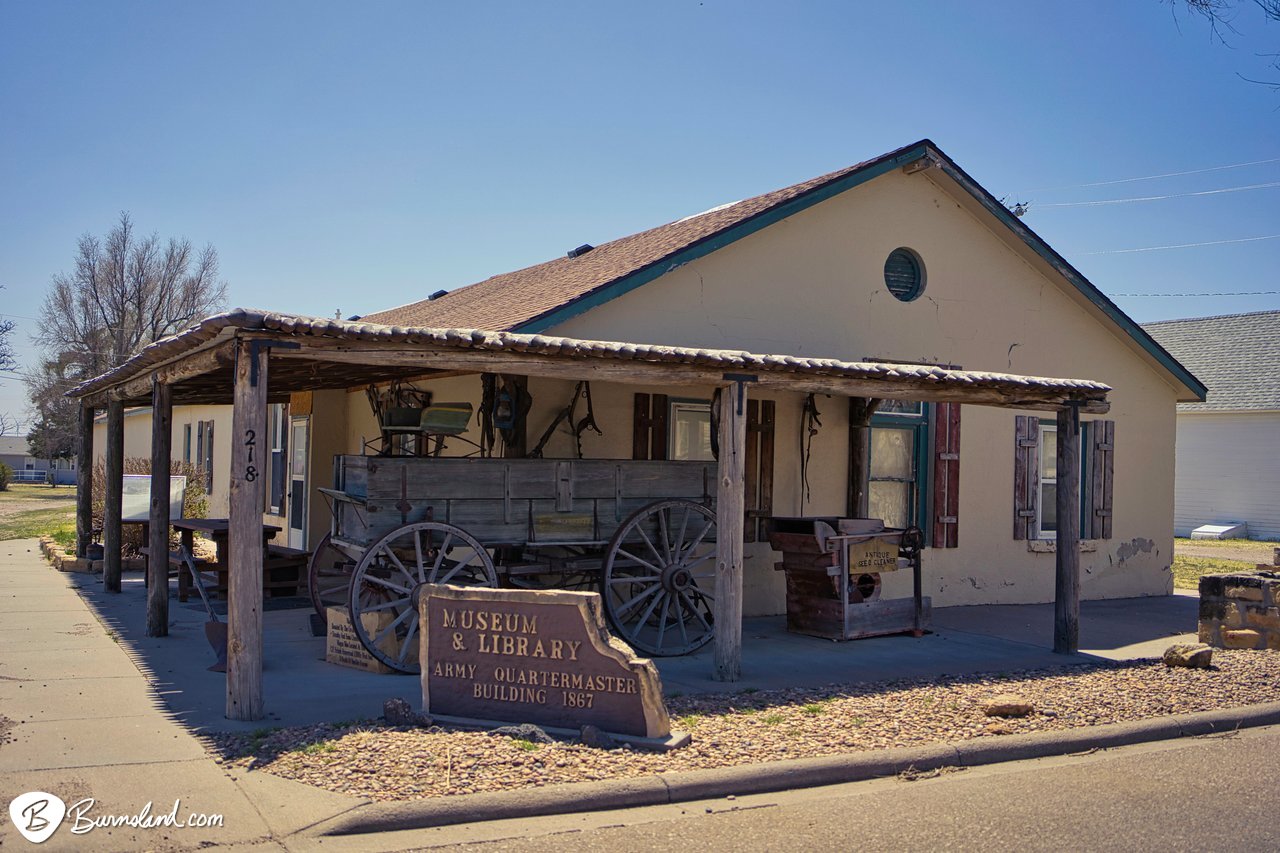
176,567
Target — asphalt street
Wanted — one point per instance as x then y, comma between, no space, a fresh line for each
1209,793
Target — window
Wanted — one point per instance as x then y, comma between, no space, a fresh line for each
898,463
904,274
1036,479
204,452
690,425
277,431
186,443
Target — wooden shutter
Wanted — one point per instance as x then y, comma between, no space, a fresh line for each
649,427
1026,475
758,485
946,476
1103,437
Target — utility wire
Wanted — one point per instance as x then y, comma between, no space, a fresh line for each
1268,185
1181,246
1184,295
1156,177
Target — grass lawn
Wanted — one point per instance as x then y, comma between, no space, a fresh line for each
28,510
1187,570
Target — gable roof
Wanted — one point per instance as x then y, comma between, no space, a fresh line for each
14,445
1237,356
538,298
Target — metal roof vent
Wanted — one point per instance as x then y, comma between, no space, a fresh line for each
437,295
581,250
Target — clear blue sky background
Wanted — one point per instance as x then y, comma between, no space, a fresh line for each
354,156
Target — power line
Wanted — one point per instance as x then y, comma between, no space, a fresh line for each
1268,185
1185,295
1156,177
1181,245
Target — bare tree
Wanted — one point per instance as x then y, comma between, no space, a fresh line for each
6,345
125,292
1221,15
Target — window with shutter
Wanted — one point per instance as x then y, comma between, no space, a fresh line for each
1026,476
649,427
1035,479
946,476
898,463
758,485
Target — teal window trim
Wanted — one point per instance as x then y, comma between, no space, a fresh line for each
922,425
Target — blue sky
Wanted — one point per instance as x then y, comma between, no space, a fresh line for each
354,156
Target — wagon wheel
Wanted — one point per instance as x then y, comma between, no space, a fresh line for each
329,576
658,582
394,568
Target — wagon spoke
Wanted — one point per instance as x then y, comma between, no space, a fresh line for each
395,602
662,620
649,610
386,549
636,579
417,551
647,541
408,641
684,526
706,528
700,561
625,608
664,529
326,591
684,633
458,566
695,610
440,553
382,635
373,579
644,563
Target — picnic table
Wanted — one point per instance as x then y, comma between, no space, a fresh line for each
281,566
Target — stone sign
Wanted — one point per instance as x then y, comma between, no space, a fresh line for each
873,555
534,656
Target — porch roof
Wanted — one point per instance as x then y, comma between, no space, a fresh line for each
312,353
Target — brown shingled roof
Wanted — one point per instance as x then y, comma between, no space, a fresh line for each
510,301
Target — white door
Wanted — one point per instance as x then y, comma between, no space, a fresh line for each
298,430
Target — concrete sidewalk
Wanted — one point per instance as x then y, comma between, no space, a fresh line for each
79,719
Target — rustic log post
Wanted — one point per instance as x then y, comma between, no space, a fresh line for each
112,505
84,483
730,506
1066,626
244,594
158,559
860,411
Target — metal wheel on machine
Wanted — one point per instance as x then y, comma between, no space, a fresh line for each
658,581
329,576
383,601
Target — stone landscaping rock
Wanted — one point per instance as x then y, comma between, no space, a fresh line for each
596,739
1245,639
1007,705
525,731
1190,655
398,712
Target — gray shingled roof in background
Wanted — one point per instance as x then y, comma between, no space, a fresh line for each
1236,355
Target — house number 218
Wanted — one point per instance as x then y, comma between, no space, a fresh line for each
250,472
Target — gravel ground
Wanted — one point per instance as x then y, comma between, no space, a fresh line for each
369,759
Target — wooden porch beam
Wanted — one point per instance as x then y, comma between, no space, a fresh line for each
1066,607
84,483
113,502
689,375
730,508
158,546
188,366
244,596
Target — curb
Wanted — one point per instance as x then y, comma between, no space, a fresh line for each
686,786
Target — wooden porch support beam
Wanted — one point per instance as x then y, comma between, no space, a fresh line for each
158,546
113,502
687,375
84,483
730,509
1066,623
860,411
244,605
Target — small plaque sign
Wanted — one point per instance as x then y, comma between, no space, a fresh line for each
873,555
343,646
534,656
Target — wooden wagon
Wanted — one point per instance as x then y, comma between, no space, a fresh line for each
641,532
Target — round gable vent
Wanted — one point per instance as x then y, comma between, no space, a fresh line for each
904,274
